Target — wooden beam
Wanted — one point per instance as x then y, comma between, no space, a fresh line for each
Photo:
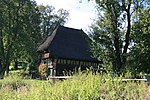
66,77
134,79
59,77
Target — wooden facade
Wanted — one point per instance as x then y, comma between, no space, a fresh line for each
66,50
57,66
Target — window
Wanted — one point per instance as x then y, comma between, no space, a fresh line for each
49,62
42,62
90,64
74,62
81,62
68,61
58,61
64,61
87,63
77,62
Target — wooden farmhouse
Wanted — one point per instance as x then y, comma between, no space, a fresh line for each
66,49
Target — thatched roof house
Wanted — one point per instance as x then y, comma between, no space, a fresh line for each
67,47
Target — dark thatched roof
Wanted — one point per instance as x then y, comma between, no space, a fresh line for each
68,43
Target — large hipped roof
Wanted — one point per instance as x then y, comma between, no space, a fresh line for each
68,43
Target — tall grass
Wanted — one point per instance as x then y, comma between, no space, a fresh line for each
84,86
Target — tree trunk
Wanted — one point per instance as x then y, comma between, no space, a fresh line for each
7,68
2,72
127,37
2,69
117,55
16,64
2,56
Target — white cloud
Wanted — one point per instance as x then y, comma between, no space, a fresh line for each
81,14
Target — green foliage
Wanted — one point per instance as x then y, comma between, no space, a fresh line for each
108,32
23,25
120,24
19,33
83,86
51,19
12,81
139,56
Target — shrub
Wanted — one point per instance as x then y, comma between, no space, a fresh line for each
43,68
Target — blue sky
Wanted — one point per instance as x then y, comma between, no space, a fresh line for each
81,12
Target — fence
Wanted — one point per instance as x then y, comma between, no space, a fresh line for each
146,79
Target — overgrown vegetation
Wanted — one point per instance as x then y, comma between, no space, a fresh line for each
82,86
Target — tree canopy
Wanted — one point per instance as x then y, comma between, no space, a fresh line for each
22,25
139,55
115,32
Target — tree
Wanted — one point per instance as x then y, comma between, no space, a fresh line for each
22,25
51,19
139,56
19,29
112,31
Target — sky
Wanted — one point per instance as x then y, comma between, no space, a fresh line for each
81,12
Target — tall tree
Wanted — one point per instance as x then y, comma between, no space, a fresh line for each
19,29
51,19
139,56
112,31
22,25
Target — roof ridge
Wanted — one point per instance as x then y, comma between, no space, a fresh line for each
48,39
70,28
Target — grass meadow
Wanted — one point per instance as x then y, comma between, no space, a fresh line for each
84,86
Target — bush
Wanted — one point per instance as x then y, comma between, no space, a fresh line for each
43,68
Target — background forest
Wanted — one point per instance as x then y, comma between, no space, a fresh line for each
23,26
120,39
120,35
